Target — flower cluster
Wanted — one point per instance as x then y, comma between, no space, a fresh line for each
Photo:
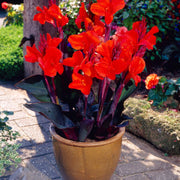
114,62
151,81
5,5
96,56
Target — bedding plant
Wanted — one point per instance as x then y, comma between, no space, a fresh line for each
83,95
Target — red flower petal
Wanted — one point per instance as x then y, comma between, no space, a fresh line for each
137,65
32,54
76,59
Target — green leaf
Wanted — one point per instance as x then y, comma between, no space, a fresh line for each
125,15
163,79
36,86
171,90
127,91
52,112
8,112
178,82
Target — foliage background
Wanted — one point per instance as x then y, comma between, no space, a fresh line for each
11,55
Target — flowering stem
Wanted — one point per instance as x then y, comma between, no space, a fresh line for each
116,99
107,32
54,88
49,90
85,107
105,87
61,36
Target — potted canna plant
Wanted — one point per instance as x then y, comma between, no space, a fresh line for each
83,95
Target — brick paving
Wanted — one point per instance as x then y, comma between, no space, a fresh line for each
139,160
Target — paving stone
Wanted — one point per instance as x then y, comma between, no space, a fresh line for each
169,174
9,106
139,160
23,173
137,177
51,158
128,145
141,166
147,147
23,139
36,150
43,165
37,134
31,121
30,112
14,96
131,155
45,128
18,115
115,177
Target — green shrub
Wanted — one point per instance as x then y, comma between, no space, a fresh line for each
14,15
166,92
156,12
11,55
8,154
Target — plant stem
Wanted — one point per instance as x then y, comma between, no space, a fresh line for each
116,99
54,88
49,90
105,87
85,107
107,32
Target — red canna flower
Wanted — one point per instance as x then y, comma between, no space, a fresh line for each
149,39
48,56
33,54
50,63
84,41
52,15
4,5
107,8
76,59
53,42
47,41
114,59
56,14
91,22
81,16
81,82
151,81
43,16
145,39
136,66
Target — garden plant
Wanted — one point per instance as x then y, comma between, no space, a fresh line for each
165,14
8,151
14,13
11,55
83,95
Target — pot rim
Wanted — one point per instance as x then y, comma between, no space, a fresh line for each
86,144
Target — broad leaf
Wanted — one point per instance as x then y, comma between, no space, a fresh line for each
36,86
128,90
124,120
69,133
85,129
65,94
52,112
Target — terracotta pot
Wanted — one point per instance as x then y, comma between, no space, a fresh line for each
87,160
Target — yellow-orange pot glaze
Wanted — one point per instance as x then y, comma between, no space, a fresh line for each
87,160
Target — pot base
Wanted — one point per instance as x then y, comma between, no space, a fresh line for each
87,160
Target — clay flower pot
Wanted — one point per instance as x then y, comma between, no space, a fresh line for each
87,160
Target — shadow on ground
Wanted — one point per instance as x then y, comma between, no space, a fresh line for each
139,159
